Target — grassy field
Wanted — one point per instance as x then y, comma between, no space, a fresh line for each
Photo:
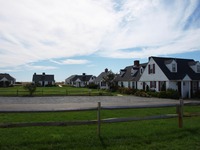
154,134
52,91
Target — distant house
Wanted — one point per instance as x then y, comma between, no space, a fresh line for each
80,80
43,79
6,80
130,75
179,74
100,79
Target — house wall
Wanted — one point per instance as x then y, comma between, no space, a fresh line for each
172,85
157,76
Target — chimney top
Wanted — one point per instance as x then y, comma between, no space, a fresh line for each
136,63
106,70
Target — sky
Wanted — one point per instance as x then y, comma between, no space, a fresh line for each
67,37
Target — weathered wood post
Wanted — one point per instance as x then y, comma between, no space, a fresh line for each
180,114
99,119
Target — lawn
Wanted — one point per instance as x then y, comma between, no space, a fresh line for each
52,91
154,134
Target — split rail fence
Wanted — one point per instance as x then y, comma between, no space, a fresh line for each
179,114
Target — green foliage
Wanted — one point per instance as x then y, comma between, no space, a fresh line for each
31,88
170,93
128,91
109,79
93,86
142,93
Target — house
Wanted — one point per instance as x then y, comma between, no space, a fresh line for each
80,80
43,79
6,80
179,74
130,75
100,79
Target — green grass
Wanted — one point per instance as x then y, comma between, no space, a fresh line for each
52,91
153,135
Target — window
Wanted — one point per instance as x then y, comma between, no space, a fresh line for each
152,84
173,67
152,69
198,68
141,70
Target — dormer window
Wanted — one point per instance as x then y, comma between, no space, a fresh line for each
173,67
141,70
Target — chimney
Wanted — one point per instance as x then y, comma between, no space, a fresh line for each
136,63
84,74
34,74
43,73
106,70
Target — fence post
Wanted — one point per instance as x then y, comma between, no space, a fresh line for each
99,119
180,114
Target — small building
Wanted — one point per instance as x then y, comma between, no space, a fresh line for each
130,75
179,74
43,79
100,79
80,80
6,80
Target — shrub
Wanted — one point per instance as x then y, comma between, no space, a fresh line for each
170,93
142,94
92,86
128,91
31,88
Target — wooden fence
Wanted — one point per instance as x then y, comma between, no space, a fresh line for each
179,114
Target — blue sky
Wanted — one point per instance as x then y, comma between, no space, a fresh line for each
65,37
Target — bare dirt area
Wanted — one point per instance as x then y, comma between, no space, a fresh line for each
75,102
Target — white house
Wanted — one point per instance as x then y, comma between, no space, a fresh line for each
100,79
80,80
130,75
182,75
43,79
6,80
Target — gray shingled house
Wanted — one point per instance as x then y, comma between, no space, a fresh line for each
43,79
6,80
130,75
80,80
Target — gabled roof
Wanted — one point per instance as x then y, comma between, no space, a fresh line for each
128,76
81,77
183,68
7,76
43,77
101,75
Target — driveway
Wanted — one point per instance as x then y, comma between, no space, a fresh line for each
75,102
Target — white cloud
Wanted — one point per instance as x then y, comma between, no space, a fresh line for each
36,30
71,61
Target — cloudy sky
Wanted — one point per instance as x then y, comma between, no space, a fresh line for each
65,37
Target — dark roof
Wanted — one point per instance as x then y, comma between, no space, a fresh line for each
7,76
128,76
81,77
43,77
183,68
101,75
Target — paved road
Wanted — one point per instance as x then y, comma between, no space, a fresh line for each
74,102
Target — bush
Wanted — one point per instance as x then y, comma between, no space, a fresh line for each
128,91
141,93
170,93
31,88
197,94
92,86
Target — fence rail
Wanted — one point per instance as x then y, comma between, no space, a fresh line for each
179,114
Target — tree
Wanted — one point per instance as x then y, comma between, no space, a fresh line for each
109,79
31,88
